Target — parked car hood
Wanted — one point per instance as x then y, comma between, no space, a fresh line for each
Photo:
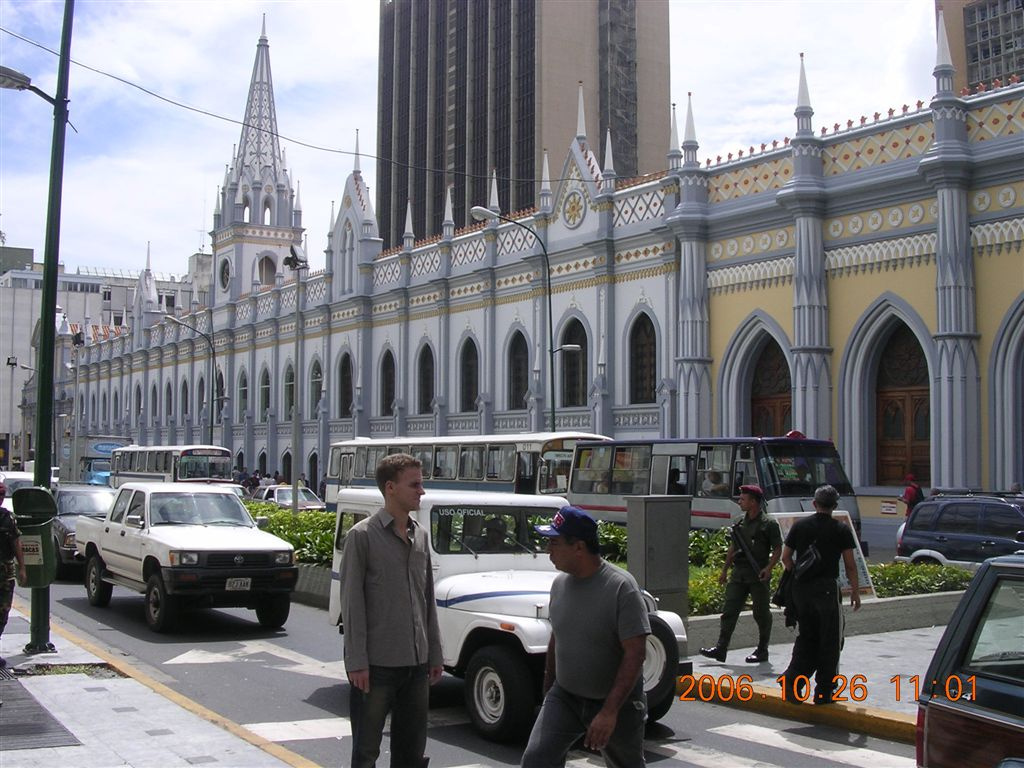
511,593
216,537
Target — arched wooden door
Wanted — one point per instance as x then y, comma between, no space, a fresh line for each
903,408
771,405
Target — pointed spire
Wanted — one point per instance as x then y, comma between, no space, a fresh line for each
216,210
149,261
448,223
408,237
944,68
355,165
263,31
803,111
690,144
330,226
608,173
581,120
673,154
545,185
258,146
298,196
492,203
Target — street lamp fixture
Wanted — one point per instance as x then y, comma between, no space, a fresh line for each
39,624
212,386
296,261
480,213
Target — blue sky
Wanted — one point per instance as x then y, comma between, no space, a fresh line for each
138,169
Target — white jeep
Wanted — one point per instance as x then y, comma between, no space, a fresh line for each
492,584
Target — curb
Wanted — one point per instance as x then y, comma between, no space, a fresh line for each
850,716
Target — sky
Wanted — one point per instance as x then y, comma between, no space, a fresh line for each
139,169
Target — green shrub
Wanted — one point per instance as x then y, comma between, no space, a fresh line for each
897,579
311,532
708,547
611,538
707,596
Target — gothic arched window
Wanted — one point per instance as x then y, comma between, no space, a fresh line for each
289,391
387,385
243,395
316,388
469,377
574,366
518,372
264,395
425,381
643,362
345,386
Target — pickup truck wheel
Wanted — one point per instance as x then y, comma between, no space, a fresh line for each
660,665
499,693
272,610
161,608
96,589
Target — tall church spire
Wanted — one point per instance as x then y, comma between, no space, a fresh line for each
258,146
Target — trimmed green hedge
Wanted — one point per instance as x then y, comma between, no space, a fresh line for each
312,535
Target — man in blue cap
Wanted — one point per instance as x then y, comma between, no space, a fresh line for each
593,679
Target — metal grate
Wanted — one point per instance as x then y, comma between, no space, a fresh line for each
27,724
228,559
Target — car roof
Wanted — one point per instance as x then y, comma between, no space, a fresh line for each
83,488
444,496
191,488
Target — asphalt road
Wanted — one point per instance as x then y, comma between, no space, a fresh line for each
285,686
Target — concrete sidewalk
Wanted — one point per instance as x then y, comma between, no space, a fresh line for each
110,714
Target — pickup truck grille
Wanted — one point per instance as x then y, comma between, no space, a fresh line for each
238,559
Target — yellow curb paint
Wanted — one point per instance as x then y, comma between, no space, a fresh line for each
126,669
851,716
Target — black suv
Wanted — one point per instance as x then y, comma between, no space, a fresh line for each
961,530
971,702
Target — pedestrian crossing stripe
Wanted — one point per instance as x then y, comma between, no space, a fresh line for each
835,754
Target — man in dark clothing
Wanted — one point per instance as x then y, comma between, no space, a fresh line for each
912,494
763,540
12,561
817,597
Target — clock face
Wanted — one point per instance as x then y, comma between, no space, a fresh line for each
225,274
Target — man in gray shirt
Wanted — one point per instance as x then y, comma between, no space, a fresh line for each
392,640
593,678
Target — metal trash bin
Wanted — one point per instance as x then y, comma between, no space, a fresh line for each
34,509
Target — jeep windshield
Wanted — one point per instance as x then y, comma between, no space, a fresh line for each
198,509
472,529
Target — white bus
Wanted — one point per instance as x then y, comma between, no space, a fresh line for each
170,464
535,462
711,470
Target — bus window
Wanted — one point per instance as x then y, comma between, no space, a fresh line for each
744,471
471,462
714,466
446,460
397,449
426,457
631,470
678,476
374,454
335,462
501,462
592,473
359,468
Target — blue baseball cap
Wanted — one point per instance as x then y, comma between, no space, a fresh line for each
570,521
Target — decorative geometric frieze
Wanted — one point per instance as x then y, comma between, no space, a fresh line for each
750,179
385,307
995,120
426,262
640,254
757,242
243,311
862,152
345,314
513,239
469,290
994,236
877,220
649,416
316,290
760,274
468,251
641,207
879,255
386,273
465,425
420,425
513,281
288,299
264,306
517,423
423,299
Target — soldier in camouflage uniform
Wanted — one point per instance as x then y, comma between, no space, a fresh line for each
12,561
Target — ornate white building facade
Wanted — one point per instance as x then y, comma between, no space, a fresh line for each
863,283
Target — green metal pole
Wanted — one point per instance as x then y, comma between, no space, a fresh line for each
39,624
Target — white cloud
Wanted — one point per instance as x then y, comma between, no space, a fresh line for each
141,170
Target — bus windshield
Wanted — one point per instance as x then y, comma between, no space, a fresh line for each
197,467
796,468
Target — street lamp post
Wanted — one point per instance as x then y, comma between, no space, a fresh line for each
211,387
296,261
480,213
39,625
12,363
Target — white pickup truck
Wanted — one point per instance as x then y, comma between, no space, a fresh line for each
492,584
186,545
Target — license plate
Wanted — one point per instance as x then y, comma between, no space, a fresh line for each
238,585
